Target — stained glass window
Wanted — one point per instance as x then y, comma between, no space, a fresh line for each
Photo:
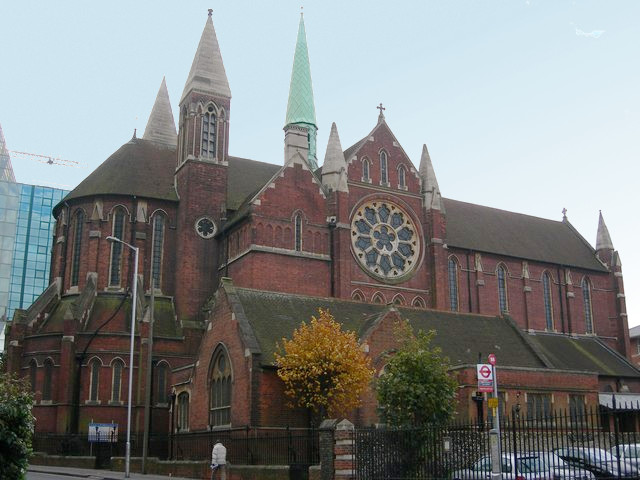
453,284
548,308
385,240
502,289
588,313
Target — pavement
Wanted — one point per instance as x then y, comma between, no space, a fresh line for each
96,474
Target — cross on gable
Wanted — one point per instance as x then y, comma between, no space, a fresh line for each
381,108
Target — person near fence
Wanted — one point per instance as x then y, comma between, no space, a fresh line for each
219,461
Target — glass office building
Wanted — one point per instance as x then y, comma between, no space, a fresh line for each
26,236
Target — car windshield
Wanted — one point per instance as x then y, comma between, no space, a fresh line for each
531,464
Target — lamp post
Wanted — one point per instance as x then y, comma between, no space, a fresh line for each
133,329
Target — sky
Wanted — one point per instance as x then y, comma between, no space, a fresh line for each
525,105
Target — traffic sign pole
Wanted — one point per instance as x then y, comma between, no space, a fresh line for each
496,416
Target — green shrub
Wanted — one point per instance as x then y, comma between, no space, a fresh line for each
16,427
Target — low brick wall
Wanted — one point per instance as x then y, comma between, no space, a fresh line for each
39,458
201,470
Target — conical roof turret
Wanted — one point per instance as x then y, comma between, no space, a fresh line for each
603,239
207,73
161,128
430,188
300,107
334,163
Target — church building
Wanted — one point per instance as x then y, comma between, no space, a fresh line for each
234,253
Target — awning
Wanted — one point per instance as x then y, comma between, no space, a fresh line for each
624,401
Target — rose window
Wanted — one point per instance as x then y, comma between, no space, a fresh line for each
385,240
205,227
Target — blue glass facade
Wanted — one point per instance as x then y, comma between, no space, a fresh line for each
26,236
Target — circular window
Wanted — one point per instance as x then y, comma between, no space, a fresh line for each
385,240
205,227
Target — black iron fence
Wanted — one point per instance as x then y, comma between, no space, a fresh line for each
245,446
251,446
75,444
559,446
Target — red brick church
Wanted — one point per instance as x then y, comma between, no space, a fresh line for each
235,253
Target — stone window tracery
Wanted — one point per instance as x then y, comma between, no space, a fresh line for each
116,380
209,133
384,171
548,308
402,177
116,247
158,243
501,274
48,379
220,389
77,247
588,312
453,284
385,240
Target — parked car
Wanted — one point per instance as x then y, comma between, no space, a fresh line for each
524,466
629,452
598,461
562,470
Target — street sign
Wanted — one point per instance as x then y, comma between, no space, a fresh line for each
103,432
485,377
492,359
492,402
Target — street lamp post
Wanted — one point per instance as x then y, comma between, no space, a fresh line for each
134,292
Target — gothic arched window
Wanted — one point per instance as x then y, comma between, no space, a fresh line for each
116,380
384,172
117,230
220,389
209,133
298,232
357,296
501,273
33,371
379,298
94,372
453,284
161,383
366,177
183,412
402,177
48,379
418,302
398,300
548,307
588,312
77,247
158,244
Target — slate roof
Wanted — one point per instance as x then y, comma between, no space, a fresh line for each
165,324
491,230
273,316
246,177
139,167
583,354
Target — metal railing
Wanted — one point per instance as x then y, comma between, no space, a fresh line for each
245,446
594,443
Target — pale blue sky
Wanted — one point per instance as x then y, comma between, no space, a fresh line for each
530,106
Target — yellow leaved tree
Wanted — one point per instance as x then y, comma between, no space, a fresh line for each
323,367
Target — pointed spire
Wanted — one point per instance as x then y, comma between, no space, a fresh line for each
300,107
207,73
603,240
161,128
334,164
430,188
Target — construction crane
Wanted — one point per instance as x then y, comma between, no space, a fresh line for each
49,160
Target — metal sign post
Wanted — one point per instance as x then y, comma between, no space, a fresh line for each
496,473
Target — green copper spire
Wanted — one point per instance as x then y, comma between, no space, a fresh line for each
300,109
